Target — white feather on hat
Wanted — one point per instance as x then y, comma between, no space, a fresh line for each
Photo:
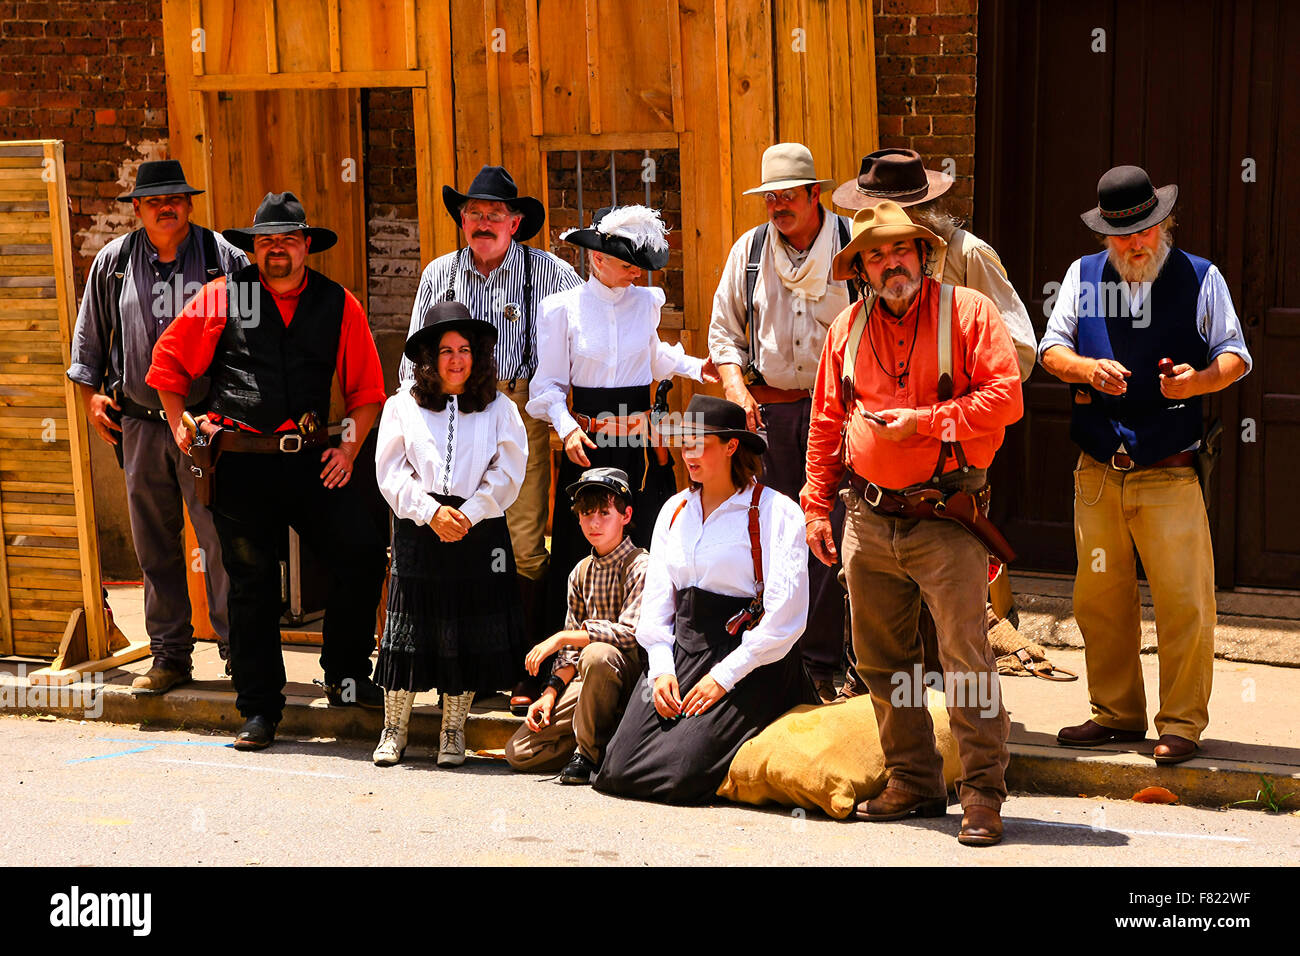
639,225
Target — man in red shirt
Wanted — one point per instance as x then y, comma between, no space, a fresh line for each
273,339
905,439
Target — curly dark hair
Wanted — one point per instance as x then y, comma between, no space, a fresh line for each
480,387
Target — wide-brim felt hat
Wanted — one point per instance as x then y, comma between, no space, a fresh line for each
614,479
634,234
280,213
875,226
494,184
443,316
1128,203
709,415
785,166
894,175
159,177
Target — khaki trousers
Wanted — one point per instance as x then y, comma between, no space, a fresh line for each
891,564
526,518
1160,513
585,716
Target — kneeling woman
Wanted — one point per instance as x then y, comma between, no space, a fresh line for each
722,669
450,458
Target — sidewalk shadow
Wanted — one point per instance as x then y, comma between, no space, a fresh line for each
1212,748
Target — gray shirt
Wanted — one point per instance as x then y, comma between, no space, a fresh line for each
153,294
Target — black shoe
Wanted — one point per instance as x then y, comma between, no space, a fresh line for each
577,770
258,733
353,692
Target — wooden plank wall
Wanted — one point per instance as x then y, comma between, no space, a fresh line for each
46,505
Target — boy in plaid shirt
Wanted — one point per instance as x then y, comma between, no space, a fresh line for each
597,659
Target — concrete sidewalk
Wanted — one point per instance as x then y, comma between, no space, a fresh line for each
1253,733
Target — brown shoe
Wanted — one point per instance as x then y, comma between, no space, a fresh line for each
1090,734
1174,749
980,826
895,804
825,690
159,680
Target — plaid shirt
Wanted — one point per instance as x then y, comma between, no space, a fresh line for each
605,599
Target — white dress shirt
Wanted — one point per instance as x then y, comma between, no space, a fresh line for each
593,336
480,456
714,555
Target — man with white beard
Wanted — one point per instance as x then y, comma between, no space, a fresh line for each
1140,331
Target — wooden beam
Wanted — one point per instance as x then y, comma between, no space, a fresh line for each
675,64
203,145
723,93
435,53
611,141
534,67
198,46
408,19
492,62
336,42
593,65
424,184
309,81
272,51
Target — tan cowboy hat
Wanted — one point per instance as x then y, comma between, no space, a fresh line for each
874,226
786,165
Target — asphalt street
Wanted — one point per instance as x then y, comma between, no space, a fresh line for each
102,794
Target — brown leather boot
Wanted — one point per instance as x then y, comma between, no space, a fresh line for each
895,804
980,826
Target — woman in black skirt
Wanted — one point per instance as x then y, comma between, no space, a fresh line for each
450,459
721,648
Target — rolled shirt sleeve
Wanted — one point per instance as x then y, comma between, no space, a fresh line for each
1218,320
185,349
1063,325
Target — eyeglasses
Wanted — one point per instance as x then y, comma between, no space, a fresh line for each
786,195
493,217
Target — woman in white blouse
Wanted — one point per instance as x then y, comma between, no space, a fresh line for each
450,459
599,343
720,647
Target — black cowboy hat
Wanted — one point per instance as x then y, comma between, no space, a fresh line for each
494,184
637,237
280,213
707,415
614,479
443,316
1128,203
891,174
160,177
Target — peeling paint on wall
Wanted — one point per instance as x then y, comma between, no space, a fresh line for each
119,216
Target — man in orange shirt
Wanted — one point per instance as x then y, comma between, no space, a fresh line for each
906,439
273,339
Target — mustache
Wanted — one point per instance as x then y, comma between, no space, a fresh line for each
900,271
483,234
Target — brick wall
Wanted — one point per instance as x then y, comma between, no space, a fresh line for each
925,78
93,75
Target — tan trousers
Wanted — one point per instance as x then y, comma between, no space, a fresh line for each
526,518
1160,512
585,716
891,564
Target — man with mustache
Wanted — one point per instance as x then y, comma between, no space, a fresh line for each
906,437
772,307
1119,314
136,287
274,339
503,282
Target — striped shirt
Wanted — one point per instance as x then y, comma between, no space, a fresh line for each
605,599
497,298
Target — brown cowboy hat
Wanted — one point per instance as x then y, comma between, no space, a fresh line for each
896,175
874,226
1128,203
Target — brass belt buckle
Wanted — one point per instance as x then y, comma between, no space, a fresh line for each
1114,464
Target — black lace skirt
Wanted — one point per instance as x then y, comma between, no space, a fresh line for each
455,621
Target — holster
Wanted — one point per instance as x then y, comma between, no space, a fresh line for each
203,466
963,507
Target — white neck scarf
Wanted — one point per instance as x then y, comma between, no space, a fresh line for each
808,281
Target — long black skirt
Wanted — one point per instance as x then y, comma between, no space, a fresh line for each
455,621
684,760
652,484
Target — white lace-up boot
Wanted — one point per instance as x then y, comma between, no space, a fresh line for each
451,740
397,717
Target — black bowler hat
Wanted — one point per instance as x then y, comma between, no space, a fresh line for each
633,234
280,213
494,184
441,317
614,479
159,177
1127,202
707,415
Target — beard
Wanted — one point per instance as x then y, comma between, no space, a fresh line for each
900,285
277,268
1148,267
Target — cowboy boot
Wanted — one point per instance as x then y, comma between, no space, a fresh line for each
397,717
451,739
